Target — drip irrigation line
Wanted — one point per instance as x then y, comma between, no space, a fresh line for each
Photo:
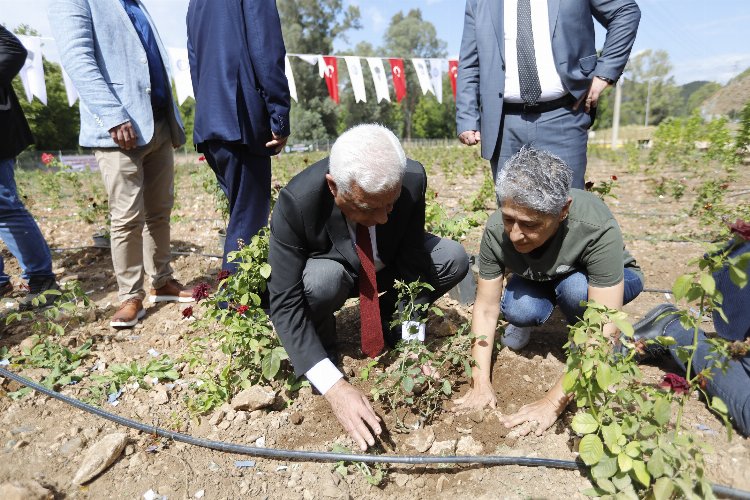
663,240
656,290
322,456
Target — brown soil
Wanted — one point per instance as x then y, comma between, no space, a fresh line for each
44,439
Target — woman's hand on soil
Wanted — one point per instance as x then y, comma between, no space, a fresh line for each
354,412
478,397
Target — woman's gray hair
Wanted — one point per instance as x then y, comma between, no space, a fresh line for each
369,155
535,179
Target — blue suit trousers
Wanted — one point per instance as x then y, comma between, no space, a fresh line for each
246,180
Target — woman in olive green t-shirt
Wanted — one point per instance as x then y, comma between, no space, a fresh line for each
562,246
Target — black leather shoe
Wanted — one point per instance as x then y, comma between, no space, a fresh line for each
653,325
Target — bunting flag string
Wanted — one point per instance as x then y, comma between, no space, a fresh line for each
399,78
423,75
183,84
379,79
453,74
32,72
429,72
331,74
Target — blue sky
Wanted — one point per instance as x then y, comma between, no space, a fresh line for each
705,39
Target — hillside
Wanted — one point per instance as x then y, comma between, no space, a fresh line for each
730,99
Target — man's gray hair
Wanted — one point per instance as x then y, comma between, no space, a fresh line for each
535,179
369,155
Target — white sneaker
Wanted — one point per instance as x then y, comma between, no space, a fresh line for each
516,337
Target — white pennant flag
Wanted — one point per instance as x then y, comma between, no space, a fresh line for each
70,89
290,79
314,59
354,65
420,65
32,73
180,65
436,77
379,78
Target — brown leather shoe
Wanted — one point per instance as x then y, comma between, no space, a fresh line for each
172,291
128,314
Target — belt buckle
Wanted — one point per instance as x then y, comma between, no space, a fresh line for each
530,108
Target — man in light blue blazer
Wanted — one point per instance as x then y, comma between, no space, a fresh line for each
113,54
242,104
490,106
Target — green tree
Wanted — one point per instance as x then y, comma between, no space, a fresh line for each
407,36
54,125
649,84
310,27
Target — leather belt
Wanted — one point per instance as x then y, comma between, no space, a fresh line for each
540,107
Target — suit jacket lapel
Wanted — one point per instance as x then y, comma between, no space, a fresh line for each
120,8
338,231
553,7
496,15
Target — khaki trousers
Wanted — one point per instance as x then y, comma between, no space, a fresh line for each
140,186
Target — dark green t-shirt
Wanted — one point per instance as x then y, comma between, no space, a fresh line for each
589,241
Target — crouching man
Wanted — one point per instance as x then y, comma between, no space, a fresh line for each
349,226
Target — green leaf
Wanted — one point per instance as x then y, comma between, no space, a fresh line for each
606,468
265,270
408,384
682,286
708,283
655,465
244,299
569,379
622,481
663,488
579,337
624,326
584,423
633,449
719,405
604,376
640,472
611,434
270,365
591,449
606,485
624,462
662,411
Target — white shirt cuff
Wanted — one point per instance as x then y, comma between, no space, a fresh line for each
412,330
323,375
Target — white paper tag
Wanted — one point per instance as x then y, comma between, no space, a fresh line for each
412,330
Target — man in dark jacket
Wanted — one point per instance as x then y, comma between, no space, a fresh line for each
18,229
348,226
242,105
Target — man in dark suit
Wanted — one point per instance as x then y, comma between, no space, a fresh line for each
236,55
344,223
529,73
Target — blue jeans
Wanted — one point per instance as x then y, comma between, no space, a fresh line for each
530,303
733,387
19,231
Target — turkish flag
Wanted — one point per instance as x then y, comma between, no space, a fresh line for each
399,78
453,73
331,75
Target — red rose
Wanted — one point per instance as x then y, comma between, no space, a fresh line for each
201,291
741,228
614,177
242,309
675,383
202,158
187,312
223,274
47,158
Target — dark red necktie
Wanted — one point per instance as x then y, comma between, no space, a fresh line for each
369,305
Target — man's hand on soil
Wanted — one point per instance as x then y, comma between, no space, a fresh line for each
354,412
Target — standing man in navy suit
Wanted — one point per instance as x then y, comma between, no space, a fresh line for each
529,73
236,54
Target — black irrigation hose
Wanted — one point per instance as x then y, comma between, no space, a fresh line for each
174,252
720,490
